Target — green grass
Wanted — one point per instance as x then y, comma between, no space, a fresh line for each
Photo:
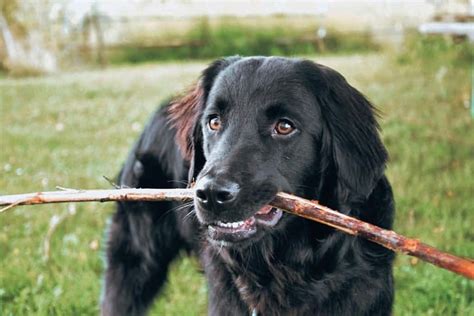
269,36
71,129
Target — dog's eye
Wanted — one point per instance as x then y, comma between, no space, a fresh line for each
284,127
214,123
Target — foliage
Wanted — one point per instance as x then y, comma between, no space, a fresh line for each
72,129
26,36
230,37
431,48
9,10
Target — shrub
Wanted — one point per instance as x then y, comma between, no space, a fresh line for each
231,37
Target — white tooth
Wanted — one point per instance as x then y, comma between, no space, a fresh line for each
231,224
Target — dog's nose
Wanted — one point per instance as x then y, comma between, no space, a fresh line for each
216,193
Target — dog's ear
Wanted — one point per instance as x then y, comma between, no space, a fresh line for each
185,113
350,134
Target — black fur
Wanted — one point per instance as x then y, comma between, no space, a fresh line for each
297,267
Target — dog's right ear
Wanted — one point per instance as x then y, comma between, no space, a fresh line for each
185,113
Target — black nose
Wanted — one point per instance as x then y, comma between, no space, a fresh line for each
216,193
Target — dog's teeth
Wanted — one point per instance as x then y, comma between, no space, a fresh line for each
230,225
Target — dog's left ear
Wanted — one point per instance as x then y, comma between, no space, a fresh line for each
185,113
350,133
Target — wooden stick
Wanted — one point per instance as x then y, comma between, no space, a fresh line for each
70,195
386,238
291,204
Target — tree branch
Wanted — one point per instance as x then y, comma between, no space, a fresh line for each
291,204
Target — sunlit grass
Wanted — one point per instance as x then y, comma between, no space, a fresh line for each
72,129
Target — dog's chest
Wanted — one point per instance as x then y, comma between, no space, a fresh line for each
266,289
256,296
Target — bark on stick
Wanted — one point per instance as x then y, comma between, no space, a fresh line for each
292,204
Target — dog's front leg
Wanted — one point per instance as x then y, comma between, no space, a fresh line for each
140,247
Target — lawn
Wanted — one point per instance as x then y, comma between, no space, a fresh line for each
72,129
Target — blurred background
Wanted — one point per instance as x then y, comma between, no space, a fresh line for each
79,78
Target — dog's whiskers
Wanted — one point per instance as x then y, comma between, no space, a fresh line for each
183,206
189,215
179,182
178,208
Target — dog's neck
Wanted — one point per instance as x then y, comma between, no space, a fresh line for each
265,272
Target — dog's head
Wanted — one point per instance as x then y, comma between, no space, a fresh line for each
255,126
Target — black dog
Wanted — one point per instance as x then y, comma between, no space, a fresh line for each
250,128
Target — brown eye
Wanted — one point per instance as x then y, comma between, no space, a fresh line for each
215,123
284,127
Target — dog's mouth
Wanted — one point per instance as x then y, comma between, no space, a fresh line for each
232,232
